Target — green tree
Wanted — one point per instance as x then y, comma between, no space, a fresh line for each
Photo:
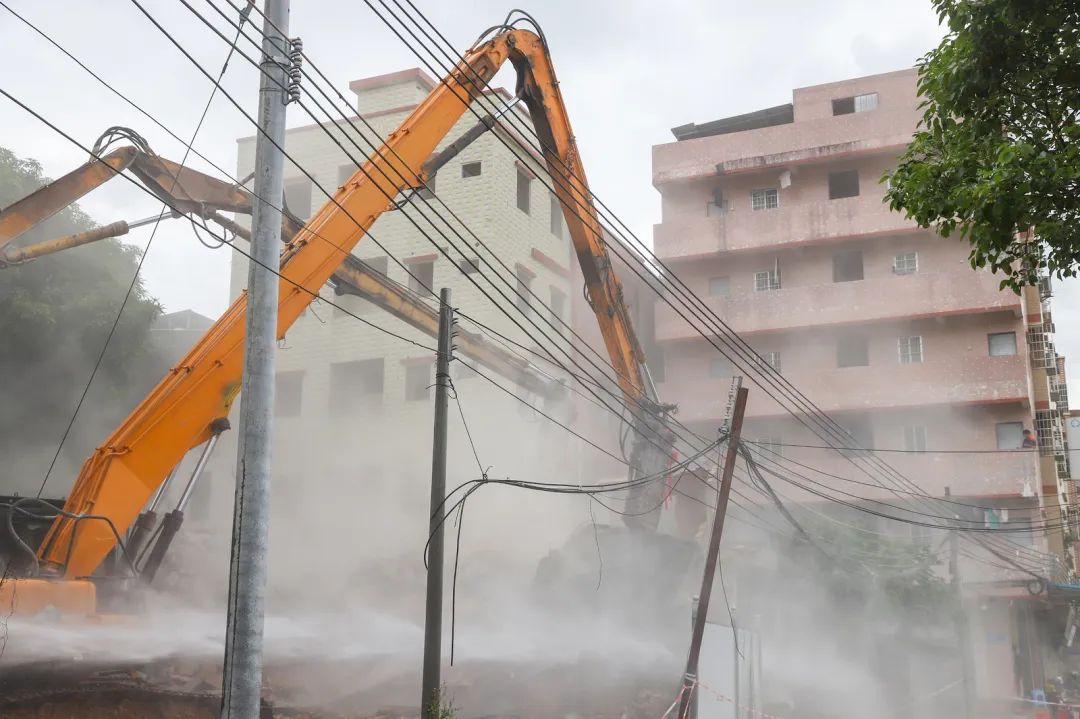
997,150
55,313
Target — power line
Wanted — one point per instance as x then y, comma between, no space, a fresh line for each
908,451
732,340
138,269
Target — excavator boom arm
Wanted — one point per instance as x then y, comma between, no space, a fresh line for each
121,475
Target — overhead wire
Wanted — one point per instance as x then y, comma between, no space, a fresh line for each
439,247
237,249
808,409
138,267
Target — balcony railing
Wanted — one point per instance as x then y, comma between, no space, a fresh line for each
815,140
920,295
746,229
956,379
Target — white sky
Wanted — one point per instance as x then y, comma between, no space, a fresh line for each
629,70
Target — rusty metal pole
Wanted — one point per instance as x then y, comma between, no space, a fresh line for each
711,559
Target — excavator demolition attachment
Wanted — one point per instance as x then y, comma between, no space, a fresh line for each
59,563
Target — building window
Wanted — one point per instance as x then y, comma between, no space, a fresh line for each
344,172
1000,344
719,206
858,103
418,381
426,191
766,280
422,277
847,266
772,359
905,263
349,380
558,305
298,197
720,367
471,169
861,439
719,286
915,438
852,351
469,265
524,186
556,221
843,184
288,393
764,199
909,349
524,288
866,102
1010,435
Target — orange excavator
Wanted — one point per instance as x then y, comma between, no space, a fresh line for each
188,409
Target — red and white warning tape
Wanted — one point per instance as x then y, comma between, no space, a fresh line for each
692,684
724,698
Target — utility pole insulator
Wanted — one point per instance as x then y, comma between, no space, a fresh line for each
295,70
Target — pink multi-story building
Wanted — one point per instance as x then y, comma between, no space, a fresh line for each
776,220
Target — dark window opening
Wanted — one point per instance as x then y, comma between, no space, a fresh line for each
852,351
556,222
524,288
719,286
858,103
558,306
288,393
298,197
524,186
843,106
1001,344
349,380
345,172
847,266
418,381
843,184
471,169
861,437
1010,435
469,265
720,367
422,277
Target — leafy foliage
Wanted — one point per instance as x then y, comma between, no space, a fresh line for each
997,150
897,575
55,313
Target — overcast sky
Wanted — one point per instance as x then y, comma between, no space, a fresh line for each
629,69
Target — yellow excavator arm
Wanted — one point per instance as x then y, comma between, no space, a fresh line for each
187,407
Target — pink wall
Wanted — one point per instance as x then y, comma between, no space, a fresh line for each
815,134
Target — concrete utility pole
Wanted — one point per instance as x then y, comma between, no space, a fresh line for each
963,637
711,559
242,683
429,695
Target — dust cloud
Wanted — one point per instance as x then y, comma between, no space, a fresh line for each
605,630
